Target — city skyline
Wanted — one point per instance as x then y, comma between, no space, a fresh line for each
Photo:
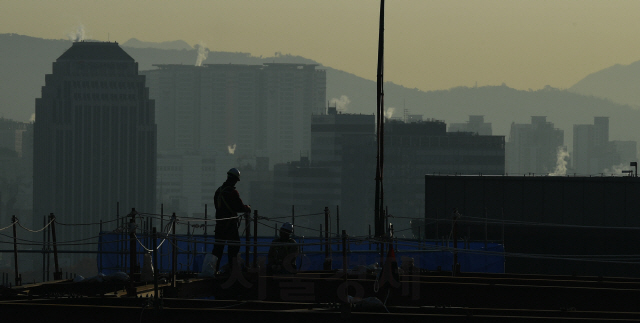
124,136
429,45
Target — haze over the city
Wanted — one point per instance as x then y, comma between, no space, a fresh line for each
430,45
146,107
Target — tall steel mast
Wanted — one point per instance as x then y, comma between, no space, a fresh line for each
379,195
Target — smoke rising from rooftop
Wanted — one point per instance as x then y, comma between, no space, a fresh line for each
341,103
388,112
616,169
203,52
77,35
561,162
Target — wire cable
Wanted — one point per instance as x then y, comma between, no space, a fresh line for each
9,226
34,231
288,216
84,224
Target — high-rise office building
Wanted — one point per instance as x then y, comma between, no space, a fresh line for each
94,139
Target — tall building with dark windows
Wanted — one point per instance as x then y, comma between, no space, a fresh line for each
534,148
594,153
418,148
246,110
342,153
94,139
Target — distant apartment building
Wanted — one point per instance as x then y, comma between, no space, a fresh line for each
16,170
427,146
332,174
475,125
94,140
593,153
245,110
533,148
11,135
257,187
343,163
328,131
309,189
346,144
413,150
186,182
16,149
293,92
627,150
358,182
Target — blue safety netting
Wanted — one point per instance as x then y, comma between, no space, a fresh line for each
113,253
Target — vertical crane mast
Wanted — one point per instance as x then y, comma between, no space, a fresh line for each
379,194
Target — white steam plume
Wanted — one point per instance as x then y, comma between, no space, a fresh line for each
561,162
388,112
616,169
32,118
342,103
203,52
77,35
232,149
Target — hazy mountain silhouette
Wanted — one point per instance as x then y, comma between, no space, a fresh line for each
25,61
502,105
175,44
618,83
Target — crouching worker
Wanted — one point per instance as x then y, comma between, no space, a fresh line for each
283,252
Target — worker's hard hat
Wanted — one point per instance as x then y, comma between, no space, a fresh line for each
287,227
235,173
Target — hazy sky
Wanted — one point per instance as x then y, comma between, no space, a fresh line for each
430,45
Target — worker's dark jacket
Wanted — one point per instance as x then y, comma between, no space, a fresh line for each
228,204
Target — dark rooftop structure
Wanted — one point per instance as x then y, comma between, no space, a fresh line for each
95,51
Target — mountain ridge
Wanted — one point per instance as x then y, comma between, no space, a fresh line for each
170,45
618,83
27,59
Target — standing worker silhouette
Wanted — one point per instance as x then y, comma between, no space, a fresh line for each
228,205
